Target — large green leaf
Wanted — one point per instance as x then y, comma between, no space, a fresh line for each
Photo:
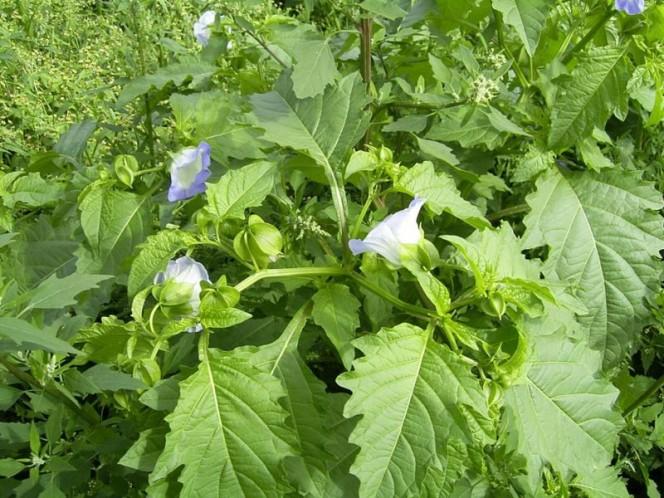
178,74
153,257
324,127
603,234
314,67
114,223
336,311
560,412
27,336
414,395
596,88
217,118
526,17
228,431
440,192
306,402
241,189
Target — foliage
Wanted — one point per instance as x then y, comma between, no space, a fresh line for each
517,348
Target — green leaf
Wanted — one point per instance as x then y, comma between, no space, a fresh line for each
306,402
222,318
104,378
216,118
56,293
8,396
72,143
33,190
178,74
596,88
437,151
164,395
9,467
324,127
440,192
336,311
228,432
241,189
386,8
560,412
153,256
469,125
526,17
143,454
414,395
27,336
114,223
314,67
602,483
603,233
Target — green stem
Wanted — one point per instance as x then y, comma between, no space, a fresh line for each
339,200
363,212
656,386
589,35
510,211
411,309
54,394
450,338
312,272
464,299
501,41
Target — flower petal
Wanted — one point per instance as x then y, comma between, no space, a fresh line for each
630,7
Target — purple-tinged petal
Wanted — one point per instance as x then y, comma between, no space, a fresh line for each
189,171
630,7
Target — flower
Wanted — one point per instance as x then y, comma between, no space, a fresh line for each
631,7
190,273
202,30
189,170
388,236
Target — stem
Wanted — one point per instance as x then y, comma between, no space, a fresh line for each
411,309
52,393
510,211
363,212
312,272
649,392
339,200
501,41
365,61
261,43
464,299
450,339
589,35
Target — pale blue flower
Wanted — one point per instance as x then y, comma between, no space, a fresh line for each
387,237
189,170
631,7
202,29
186,271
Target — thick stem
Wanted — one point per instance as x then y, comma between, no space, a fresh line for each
510,211
589,35
366,26
656,386
312,272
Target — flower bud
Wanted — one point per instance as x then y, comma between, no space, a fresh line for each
126,167
259,242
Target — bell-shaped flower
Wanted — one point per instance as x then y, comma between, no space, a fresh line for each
631,7
389,235
202,29
187,273
189,170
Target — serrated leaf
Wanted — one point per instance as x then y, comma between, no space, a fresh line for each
602,483
114,223
469,125
596,88
56,293
306,403
324,127
336,312
223,318
603,232
240,189
440,192
228,432
178,74
153,256
560,412
408,411
27,336
526,17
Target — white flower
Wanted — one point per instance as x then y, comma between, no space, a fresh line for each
202,29
187,271
388,236
189,170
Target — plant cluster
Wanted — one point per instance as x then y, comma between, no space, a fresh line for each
339,249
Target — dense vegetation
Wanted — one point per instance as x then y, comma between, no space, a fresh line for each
331,248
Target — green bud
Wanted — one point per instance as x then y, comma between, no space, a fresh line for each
385,154
258,242
175,293
495,305
126,167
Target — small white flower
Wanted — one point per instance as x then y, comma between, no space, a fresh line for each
188,271
202,29
388,236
